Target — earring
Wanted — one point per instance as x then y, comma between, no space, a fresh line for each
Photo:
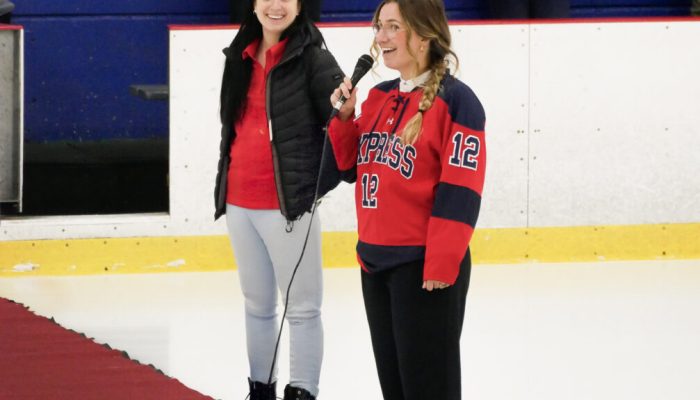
422,48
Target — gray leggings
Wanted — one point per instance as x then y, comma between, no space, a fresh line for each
266,255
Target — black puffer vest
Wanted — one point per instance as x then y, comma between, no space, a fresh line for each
298,106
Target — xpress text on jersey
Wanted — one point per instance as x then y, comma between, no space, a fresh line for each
415,201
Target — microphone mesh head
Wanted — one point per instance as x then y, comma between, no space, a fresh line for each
364,63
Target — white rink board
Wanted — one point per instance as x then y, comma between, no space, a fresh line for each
488,57
196,66
552,92
615,124
487,54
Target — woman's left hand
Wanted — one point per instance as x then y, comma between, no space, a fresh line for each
429,285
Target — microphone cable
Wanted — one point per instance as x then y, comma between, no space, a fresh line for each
301,256
364,63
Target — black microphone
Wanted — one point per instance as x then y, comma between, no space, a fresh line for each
364,63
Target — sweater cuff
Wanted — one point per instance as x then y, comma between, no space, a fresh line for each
343,137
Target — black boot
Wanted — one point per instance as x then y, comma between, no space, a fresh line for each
262,391
295,393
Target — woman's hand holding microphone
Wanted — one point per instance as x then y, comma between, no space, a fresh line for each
346,90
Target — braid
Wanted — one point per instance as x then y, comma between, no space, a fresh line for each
412,130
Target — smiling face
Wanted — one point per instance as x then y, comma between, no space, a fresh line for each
401,50
276,15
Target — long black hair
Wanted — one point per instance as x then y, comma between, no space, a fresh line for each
237,71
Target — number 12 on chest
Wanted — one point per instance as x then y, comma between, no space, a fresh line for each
370,184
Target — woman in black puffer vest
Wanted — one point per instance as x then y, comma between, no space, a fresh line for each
297,108
274,106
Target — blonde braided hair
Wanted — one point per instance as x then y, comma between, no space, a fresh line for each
428,20
412,130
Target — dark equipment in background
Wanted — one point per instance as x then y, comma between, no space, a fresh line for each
6,8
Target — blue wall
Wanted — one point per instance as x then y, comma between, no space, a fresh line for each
82,55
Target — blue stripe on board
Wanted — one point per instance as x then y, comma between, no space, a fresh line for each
628,3
121,7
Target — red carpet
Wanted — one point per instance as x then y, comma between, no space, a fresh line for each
41,360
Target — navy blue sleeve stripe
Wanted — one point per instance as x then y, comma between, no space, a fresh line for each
457,203
464,107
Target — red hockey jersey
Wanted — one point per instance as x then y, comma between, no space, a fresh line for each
417,201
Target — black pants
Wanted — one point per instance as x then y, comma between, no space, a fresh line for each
524,9
239,8
415,333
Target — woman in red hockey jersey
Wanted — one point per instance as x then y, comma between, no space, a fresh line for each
419,153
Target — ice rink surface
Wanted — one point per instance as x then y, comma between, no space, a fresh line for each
580,331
